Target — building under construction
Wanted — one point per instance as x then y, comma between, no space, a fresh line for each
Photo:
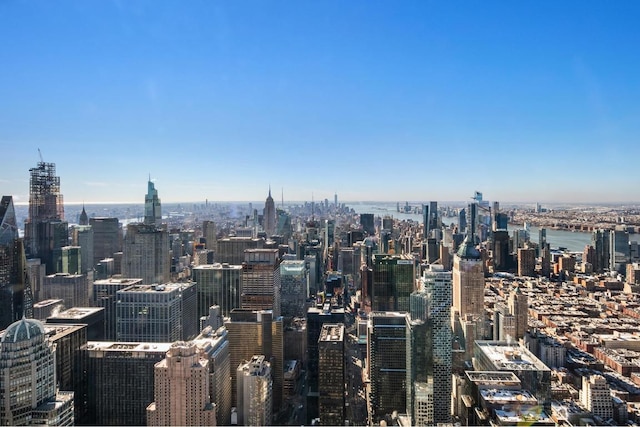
46,213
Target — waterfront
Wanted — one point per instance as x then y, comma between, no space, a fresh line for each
573,241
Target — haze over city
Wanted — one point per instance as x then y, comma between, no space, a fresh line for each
532,101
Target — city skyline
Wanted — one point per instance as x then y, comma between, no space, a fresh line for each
374,101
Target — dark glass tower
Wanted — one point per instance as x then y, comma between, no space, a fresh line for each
15,292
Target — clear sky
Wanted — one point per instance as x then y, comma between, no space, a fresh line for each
374,100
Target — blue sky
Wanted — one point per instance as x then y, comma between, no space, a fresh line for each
374,100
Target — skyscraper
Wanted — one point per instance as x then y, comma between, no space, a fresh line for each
257,332
146,254
218,284
45,205
261,280
152,208
431,373
389,362
393,282
107,238
182,389
28,378
157,313
332,375
121,385
215,344
619,247
15,293
269,215
294,278
255,392
468,292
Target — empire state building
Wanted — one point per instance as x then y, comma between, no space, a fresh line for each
270,215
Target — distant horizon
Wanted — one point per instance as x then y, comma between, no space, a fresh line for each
347,202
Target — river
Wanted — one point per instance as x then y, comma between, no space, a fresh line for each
574,241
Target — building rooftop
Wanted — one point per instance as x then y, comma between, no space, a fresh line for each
117,281
512,357
47,302
124,347
332,332
531,415
493,377
503,396
56,331
218,266
77,313
166,287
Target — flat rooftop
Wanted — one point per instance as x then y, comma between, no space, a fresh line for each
332,332
123,347
47,302
166,287
218,266
512,357
502,396
524,415
492,377
55,331
77,313
117,282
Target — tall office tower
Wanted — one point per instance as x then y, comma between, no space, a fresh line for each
316,317
73,289
601,241
152,208
36,272
257,332
425,220
255,392
104,295
45,204
15,292
70,364
542,240
434,217
294,278
526,262
107,238
270,215
28,378
260,282
68,259
121,386
431,250
393,282
332,375
231,249
462,221
518,304
283,226
545,270
501,256
619,246
595,396
329,232
468,281
181,389
469,321
157,313
210,235
82,236
389,363
218,284
146,254
431,361
367,224
215,345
